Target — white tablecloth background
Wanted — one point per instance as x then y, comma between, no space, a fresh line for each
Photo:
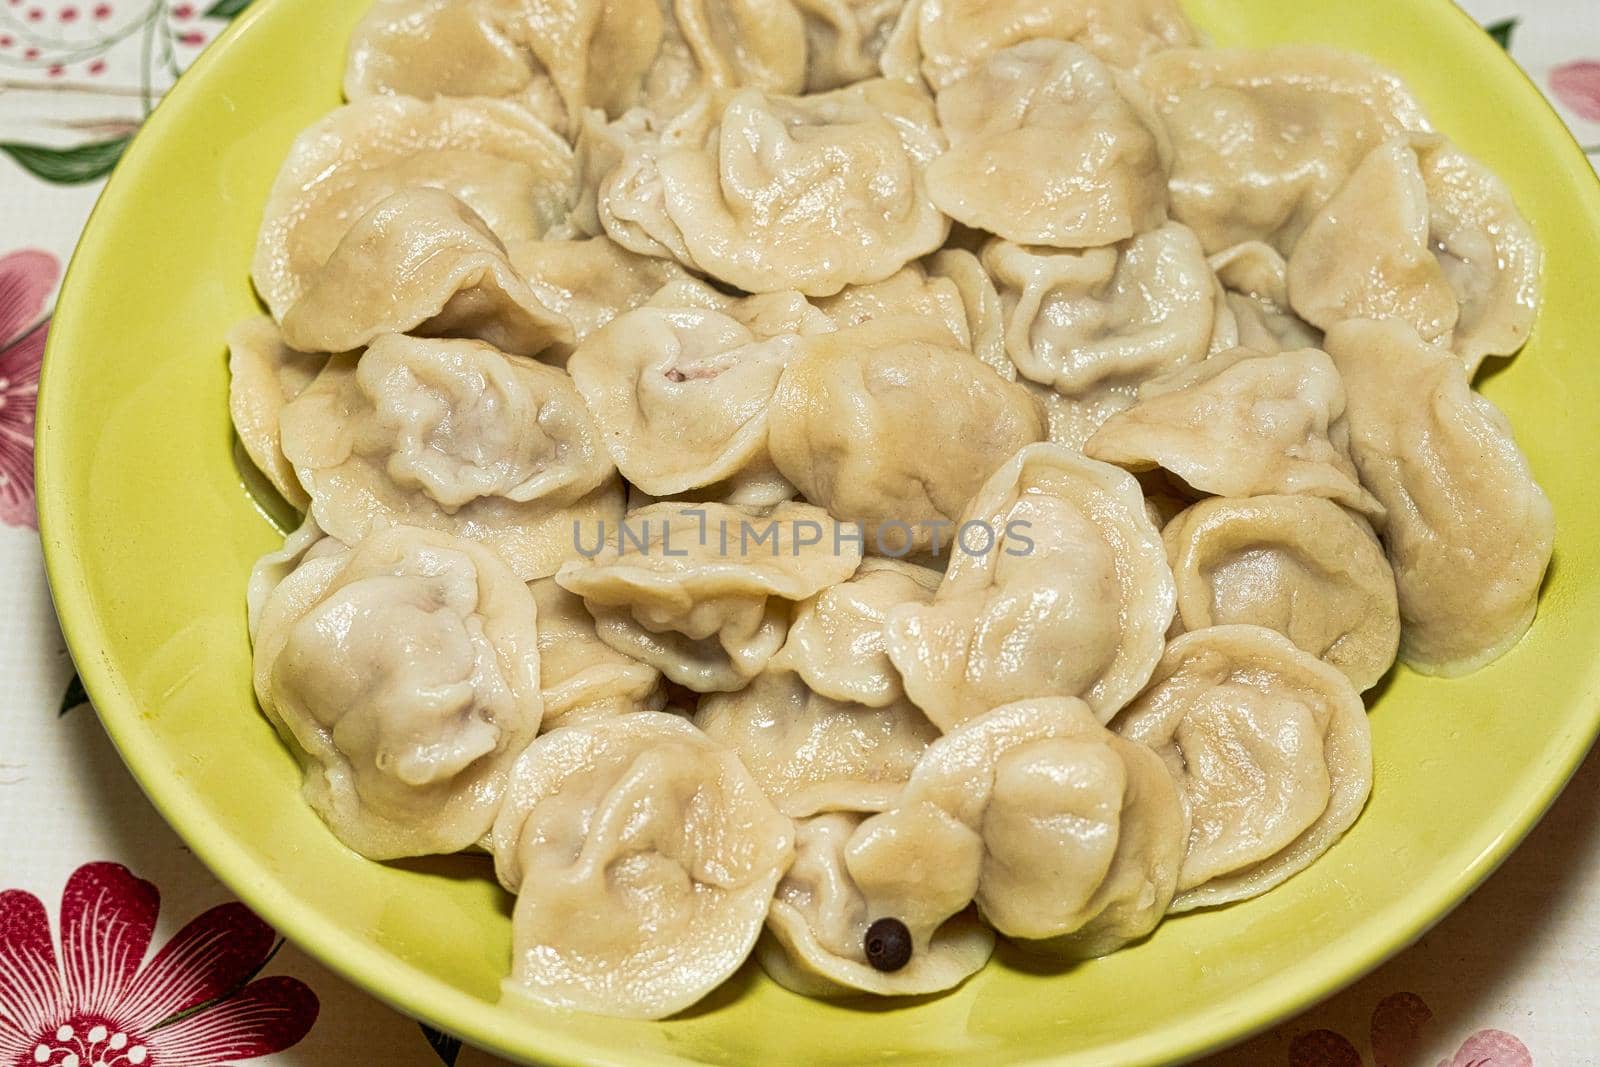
1520,958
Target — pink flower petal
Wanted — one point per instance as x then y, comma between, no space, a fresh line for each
26,281
107,918
214,955
1492,1048
19,398
267,1016
1577,85
31,996
1323,1048
1397,1024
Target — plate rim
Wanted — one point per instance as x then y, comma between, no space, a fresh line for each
419,996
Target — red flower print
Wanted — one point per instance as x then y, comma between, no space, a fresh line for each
1398,1022
1577,85
192,1005
26,280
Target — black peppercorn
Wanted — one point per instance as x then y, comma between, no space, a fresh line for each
888,945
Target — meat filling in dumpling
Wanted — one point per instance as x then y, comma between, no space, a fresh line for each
681,389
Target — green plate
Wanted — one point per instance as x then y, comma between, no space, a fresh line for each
149,533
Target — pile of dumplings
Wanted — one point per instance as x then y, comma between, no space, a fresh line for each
1101,404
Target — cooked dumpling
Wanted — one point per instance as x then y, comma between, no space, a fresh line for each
844,39
405,672
818,928
1300,565
1070,836
1469,533
1421,234
1095,325
812,754
702,591
1045,149
851,428
454,436
1058,586
583,677
1255,283
308,542
1271,752
644,859
590,282
557,58
733,43
811,193
265,374
422,263
986,320
513,171
949,291
681,389
1243,424
1262,138
944,40
836,642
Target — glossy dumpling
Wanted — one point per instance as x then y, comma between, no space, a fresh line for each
1243,424
1070,836
1300,565
845,38
405,673
1262,138
1058,587
703,591
454,436
837,640
1095,325
555,58
582,677
948,291
264,375
1470,533
818,924
732,44
1045,149
813,754
944,40
986,320
422,263
512,170
811,193
644,859
1255,283
850,428
590,281
1421,234
1271,752
681,390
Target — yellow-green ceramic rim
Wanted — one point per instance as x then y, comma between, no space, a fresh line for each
149,533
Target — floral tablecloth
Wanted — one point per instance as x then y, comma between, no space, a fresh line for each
109,921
